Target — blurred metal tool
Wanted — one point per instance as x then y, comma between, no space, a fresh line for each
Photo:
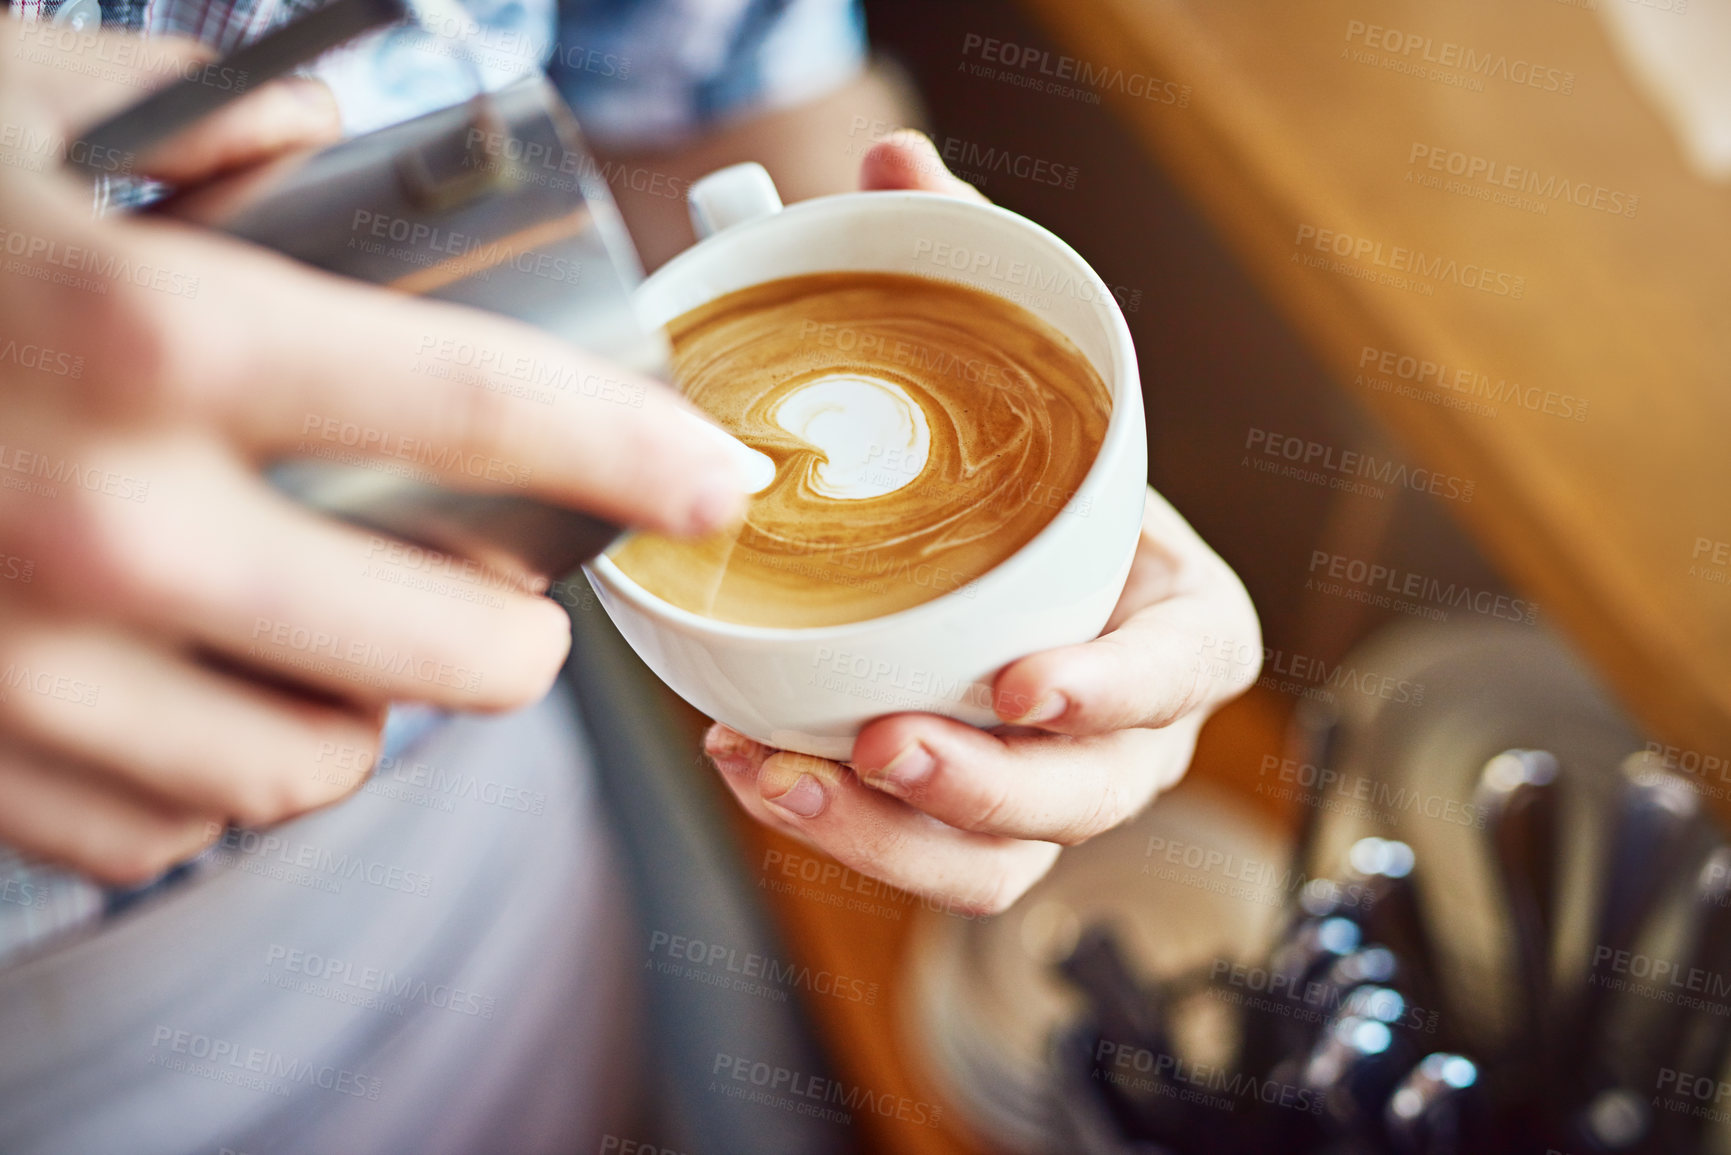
1359,1058
1285,1027
494,203
1438,1108
1517,797
1094,1122
1131,1047
179,105
1614,1120
1285,1030
1125,1009
1657,833
1314,739
1392,914
1639,868
1379,894
1692,1037
1369,967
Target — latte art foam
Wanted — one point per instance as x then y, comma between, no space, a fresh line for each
922,433
858,424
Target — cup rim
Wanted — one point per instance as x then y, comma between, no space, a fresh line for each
1122,347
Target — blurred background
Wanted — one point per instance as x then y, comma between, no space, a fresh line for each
1430,309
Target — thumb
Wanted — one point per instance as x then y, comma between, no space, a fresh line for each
908,160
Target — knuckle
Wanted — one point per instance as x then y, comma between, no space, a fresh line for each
17,711
995,897
40,680
522,670
361,746
994,805
115,558
487,416
1102,812
301,785
150,357
725,744
1018,873
24,714
301,792
1182,695
137,856
650,465
873,849
491,420
259,797
243,798
649,445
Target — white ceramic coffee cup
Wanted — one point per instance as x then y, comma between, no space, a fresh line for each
812,689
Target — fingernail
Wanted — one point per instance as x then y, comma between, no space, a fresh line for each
756,469
1049,709
314,94
906,772
725,742
785,787
731,764
719,504
730,750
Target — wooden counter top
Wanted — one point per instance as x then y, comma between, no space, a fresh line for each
1486,231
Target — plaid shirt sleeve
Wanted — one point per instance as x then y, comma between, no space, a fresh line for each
638,72
653,72
394,75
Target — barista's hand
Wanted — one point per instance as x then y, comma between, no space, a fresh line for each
1093,732
180,647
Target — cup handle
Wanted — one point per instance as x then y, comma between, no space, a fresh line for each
731,196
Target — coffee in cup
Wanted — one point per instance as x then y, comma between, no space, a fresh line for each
811,688
923,431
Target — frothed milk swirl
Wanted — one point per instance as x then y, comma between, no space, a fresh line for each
922,432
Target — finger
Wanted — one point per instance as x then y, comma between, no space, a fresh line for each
291,360
730,750
1181,603
296,112
83,77
823,804
184,736
908,160
217,559
54,812
1049,787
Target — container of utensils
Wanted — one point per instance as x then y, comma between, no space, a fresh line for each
1503,924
